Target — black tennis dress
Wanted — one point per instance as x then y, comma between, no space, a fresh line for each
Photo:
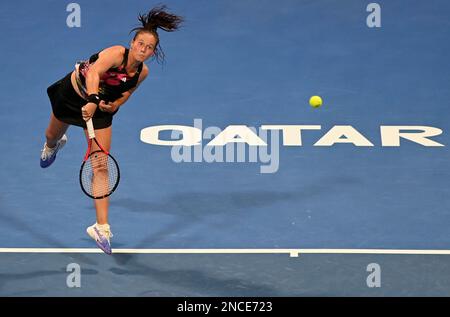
67,104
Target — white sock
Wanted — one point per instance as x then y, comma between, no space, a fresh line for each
49,148
103,227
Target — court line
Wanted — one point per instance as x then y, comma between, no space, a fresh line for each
291,252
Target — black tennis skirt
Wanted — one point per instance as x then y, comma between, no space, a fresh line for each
67,104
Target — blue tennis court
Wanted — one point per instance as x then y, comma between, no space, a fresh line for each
361,180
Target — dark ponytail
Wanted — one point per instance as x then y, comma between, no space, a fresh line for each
157,18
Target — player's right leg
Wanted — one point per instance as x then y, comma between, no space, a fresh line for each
56,139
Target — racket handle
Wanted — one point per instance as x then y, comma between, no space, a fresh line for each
90,129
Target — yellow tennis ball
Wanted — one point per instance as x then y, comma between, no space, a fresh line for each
315,101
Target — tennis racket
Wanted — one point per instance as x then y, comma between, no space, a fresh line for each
99,172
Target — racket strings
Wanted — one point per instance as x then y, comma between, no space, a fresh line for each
99,175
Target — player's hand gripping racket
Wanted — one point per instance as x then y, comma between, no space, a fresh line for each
99,173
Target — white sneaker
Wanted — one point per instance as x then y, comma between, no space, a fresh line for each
102,235
48,155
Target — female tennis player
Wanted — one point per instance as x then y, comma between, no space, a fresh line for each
96,89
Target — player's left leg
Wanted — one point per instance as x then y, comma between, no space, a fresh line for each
101,231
